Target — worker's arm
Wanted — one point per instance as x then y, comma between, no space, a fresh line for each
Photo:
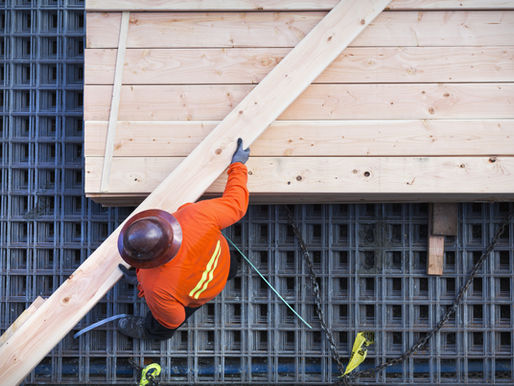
232,206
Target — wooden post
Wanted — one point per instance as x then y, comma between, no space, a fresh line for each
89,283
442,221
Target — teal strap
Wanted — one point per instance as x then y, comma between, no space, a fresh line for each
267,282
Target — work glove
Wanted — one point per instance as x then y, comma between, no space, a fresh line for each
240,155
128,274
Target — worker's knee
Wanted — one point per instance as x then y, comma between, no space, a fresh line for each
156,331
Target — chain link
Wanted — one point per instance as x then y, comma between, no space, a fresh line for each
315,288
346,379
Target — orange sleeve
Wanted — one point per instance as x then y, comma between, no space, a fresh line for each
168,312
232,206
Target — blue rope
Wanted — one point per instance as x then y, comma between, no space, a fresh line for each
97,324
267,282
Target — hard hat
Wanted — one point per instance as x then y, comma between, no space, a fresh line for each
150,238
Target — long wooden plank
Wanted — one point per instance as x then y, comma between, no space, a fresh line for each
319,101
181,30
115,100
435,260
277,175
89,283
281,5
355,65
316,138
24,316
133,200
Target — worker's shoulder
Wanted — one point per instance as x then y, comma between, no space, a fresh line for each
183,206
191,207
190,211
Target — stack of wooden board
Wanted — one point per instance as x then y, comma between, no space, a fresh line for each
419,107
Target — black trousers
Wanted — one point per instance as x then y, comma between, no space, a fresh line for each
155,330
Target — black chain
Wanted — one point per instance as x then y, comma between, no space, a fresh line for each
315,288
346,379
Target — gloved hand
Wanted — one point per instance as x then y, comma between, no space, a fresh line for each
128,274
240,155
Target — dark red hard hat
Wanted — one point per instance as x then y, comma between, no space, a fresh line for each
150,238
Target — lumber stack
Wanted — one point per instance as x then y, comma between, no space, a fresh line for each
419,107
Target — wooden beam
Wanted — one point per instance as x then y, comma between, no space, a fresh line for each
354,65
24,316
435,253
319,101
298,175
89,283
135,199
216,30
281,5
115,101
315,138
450,4
443,221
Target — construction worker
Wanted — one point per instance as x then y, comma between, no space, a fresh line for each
182,260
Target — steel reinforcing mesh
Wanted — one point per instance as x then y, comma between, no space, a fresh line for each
370,258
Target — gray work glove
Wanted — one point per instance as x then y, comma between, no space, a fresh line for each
240,155
128,274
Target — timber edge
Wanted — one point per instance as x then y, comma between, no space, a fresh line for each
134,199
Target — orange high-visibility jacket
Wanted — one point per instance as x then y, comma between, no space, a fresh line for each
200,269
